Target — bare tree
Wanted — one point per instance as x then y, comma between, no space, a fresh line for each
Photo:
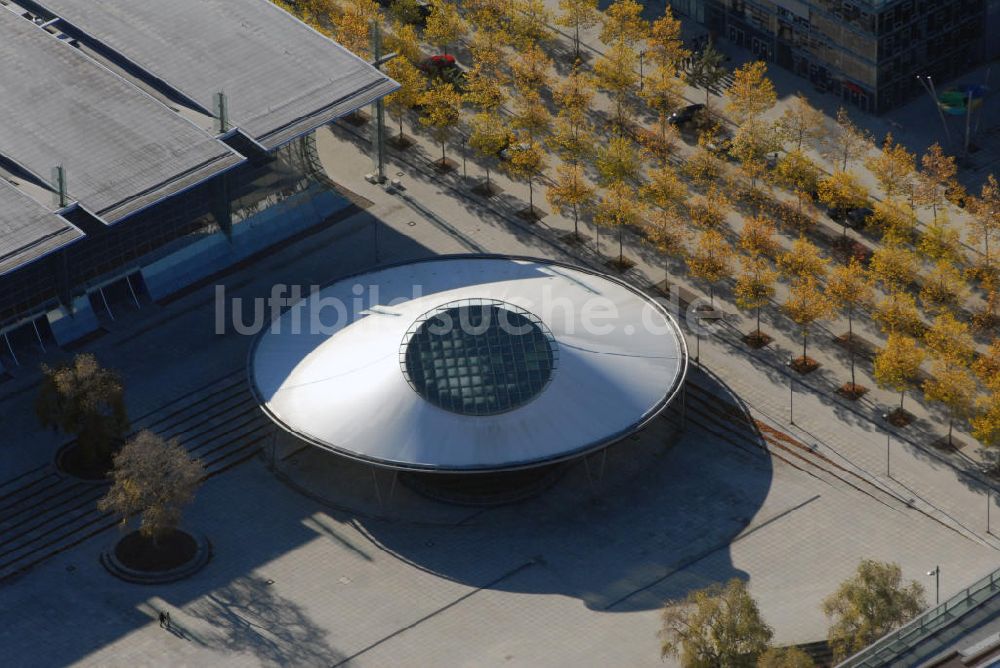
847,143
152,479
86,400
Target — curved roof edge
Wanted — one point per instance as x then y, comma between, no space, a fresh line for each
668,398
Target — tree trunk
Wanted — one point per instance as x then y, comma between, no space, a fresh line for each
621,246
531,197
850,341
758,322
401,129
487,180
951,423
902,395
442,155
805,337
576,40
576,223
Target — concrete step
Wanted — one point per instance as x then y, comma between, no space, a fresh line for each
26,536
39,504
43,513
39,487
53,542
30,477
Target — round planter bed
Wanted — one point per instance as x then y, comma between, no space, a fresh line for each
69,461
179,555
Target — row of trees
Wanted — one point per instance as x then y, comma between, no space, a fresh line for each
722,625
917,274
152,479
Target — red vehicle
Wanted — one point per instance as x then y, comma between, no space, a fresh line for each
443,66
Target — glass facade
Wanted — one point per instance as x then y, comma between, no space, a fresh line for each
479,357
868,52
107,251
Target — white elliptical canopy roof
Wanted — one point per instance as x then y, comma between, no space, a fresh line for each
617,360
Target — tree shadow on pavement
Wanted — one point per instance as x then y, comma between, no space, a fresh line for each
248,617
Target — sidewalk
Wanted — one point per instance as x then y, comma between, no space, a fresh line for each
947,486
928,427
293,582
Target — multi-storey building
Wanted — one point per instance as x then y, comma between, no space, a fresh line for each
869,52
146,146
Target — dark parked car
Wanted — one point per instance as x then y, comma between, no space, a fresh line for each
685,115
422,11
852,217
444,68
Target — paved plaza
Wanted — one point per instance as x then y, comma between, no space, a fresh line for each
786,486
574,577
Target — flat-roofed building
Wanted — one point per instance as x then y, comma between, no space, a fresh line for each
121,146
145,146
28,230
280,77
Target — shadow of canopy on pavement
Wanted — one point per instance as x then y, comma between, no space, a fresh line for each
657,524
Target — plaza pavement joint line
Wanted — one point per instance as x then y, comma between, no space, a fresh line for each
512,572
684,565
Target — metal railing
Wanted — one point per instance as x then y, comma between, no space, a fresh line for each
893,645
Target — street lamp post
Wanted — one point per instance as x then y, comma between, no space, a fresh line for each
791,393
465,141
937,583
642,54
928,84
378,129
697,348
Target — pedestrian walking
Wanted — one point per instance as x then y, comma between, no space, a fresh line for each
163,619
168,621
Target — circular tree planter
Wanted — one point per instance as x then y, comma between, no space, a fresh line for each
852,391
532,214
899,417
70,461
804,365
621,265
400,142
179,555
757,339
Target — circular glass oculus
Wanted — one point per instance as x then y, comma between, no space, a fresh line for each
478,357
